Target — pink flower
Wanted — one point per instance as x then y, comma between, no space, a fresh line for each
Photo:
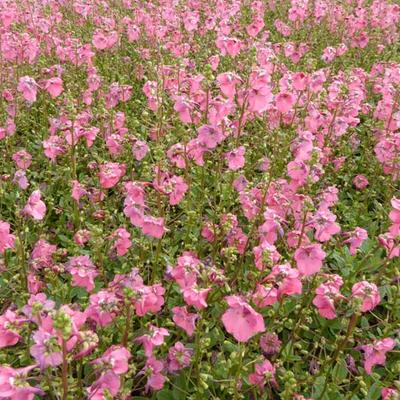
104,40
270,343
390,394
368,293
264,373
123,242
83,272
140,149
14,384
195,296
184,319
394,214
114,359
360,182
149,299
35,206
210,136
6,238
236,158
103,307
309,258
375,353
28,87
241,320
179,357
153,226
285,279
154,338
53,147
284,102
227,83
21,180
110,174
107,385
326,295
22,159
54,86
152,370
356,239
9,323
47,349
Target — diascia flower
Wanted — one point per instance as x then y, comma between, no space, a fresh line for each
184,319
54,86
110,174
35,207
14,384
28,87
241,320
6,238
368,293
264,373
83,272
375,353
309,258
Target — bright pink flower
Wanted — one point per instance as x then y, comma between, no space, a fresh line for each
83,272
184,319
110,174
309,258
264,373
368,293
6,238
104,40
14,384
227,83
28,87
35,207
375,353
53,147
236,158
241,320
179,357
54,86
284,102
154,338
22,159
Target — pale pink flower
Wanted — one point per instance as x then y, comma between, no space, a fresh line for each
110,174
153,226
375,353
264,373
22,159
284,102
83,272
28,87
6,238
236,158
309,258
360,182
54,86
241,320
179,357
35,207
184,319
368,293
